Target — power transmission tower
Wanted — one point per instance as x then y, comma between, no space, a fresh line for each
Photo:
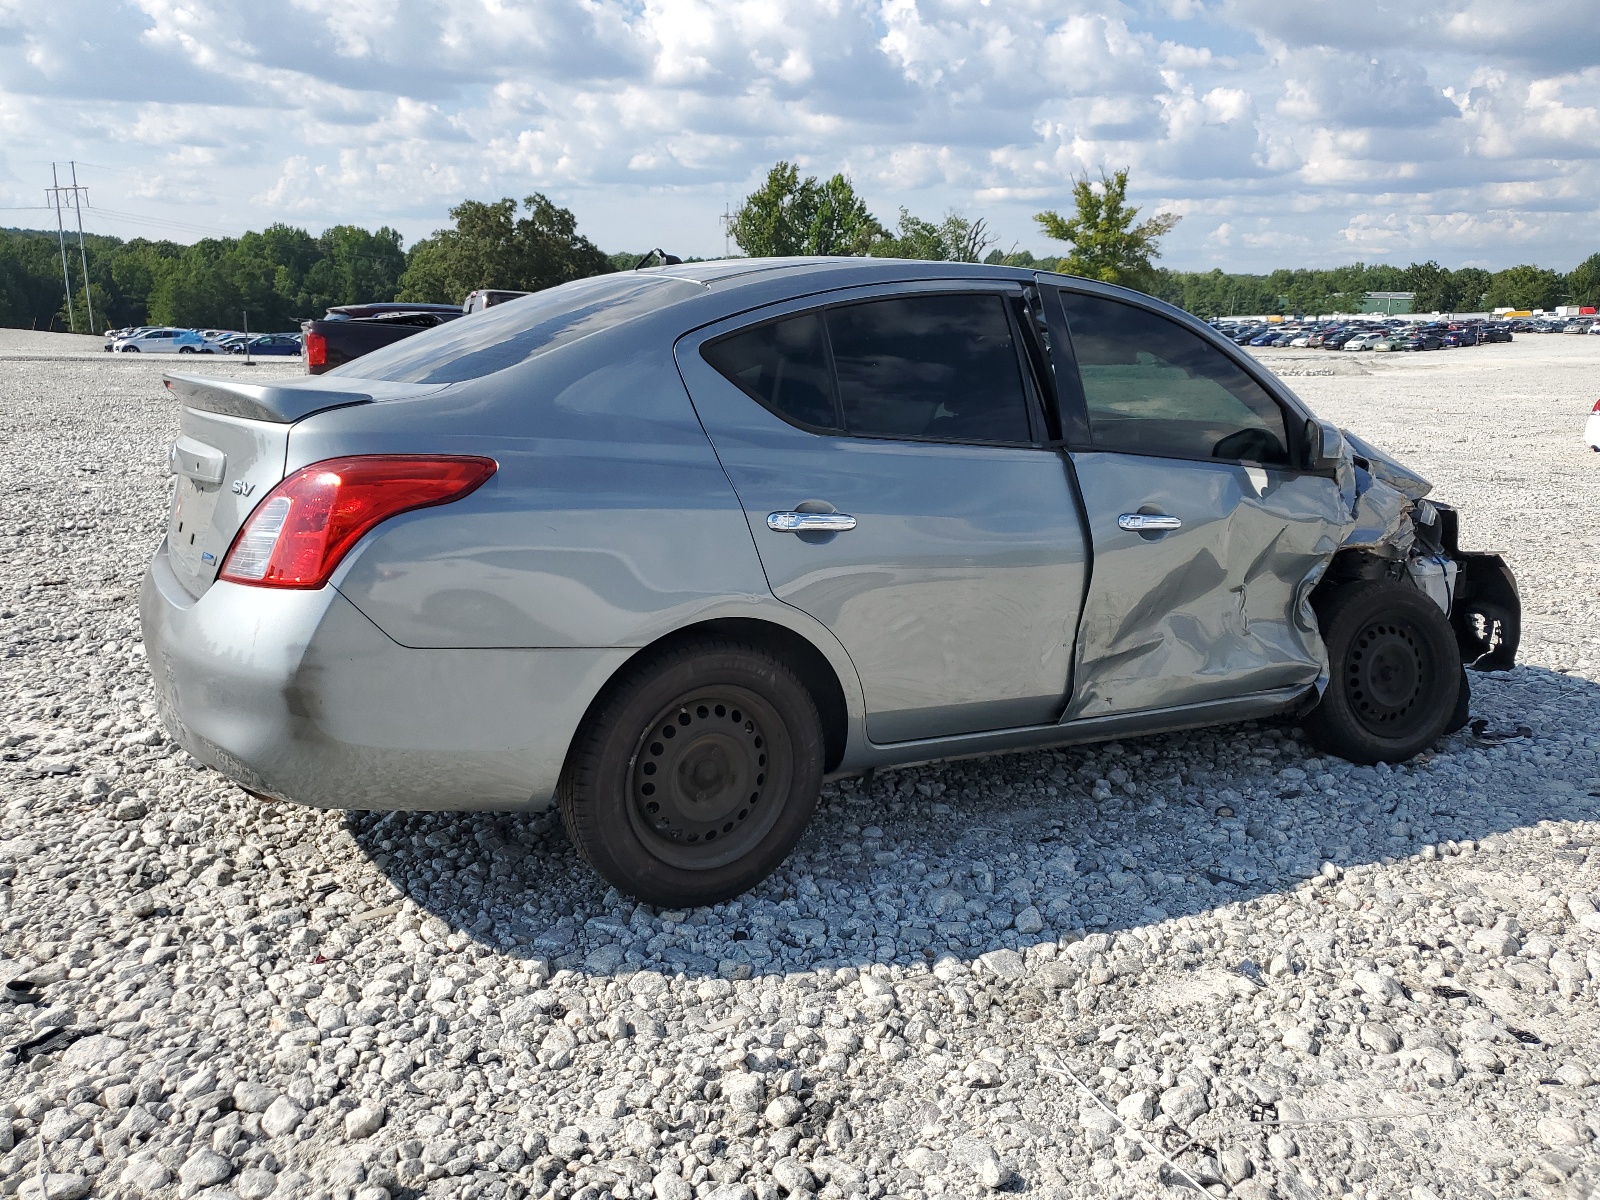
61,197
54,193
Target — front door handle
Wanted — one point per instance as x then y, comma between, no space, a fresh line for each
1148,522
806,522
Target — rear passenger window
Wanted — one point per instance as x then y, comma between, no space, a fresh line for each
1154,387
940,366
783,365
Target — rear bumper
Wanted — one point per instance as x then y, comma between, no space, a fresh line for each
297,695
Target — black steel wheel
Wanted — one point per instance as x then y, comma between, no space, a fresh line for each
1384,672
1394,673
700,776
695,773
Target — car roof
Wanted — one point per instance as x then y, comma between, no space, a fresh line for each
847,269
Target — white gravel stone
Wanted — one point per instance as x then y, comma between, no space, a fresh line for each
363,1121
251,1097
669,1185
282,1117
888,988
253,1183
55,1185
204,1168
1184,1103
745,1092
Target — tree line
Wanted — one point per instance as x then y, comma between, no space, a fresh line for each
277,276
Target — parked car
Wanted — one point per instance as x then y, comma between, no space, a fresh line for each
348,331
113,336
165,341
1591,430
666,548
1390,342
273,344
1362,341
1495,333
1338,341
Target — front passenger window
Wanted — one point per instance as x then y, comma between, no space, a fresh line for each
1154,387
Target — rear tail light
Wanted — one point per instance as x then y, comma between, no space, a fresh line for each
303,527
316,350
1596,407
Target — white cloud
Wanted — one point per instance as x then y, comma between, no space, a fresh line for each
1286,139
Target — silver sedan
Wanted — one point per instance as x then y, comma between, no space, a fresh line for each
669,548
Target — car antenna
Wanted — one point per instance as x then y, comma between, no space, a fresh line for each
667,260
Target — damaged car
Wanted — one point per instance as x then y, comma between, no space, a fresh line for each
668,549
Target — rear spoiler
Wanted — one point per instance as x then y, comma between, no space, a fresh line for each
281,403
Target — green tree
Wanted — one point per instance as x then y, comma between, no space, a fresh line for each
954,239
788,215
1434,288
1106,244
492,247
1525,286
1583,283
1472,289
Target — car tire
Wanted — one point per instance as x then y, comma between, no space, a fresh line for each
130,349
1395,674
185,349
726,717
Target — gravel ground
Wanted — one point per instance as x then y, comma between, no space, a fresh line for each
1043,973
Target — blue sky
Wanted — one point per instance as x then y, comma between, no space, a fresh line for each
1285,133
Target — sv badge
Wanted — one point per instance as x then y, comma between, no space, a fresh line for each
241,488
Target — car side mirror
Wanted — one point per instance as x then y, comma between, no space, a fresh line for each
1324,444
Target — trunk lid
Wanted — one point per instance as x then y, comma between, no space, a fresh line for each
231,450
223,465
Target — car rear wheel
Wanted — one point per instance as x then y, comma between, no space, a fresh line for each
130,349
696,775
1395,674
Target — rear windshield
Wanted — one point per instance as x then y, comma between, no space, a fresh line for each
513,332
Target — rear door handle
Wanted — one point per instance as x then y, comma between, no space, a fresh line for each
805,522
1147,522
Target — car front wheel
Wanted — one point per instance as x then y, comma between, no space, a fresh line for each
1394,670
696,775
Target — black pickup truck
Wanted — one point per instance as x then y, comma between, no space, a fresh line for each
351,330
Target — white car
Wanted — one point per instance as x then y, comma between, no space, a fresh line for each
166,341
1362,341
1591,431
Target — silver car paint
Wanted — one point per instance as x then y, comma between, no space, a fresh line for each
451,661
295,694
608,523
1210,610
956,595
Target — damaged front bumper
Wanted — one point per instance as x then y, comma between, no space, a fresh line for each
1394,529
